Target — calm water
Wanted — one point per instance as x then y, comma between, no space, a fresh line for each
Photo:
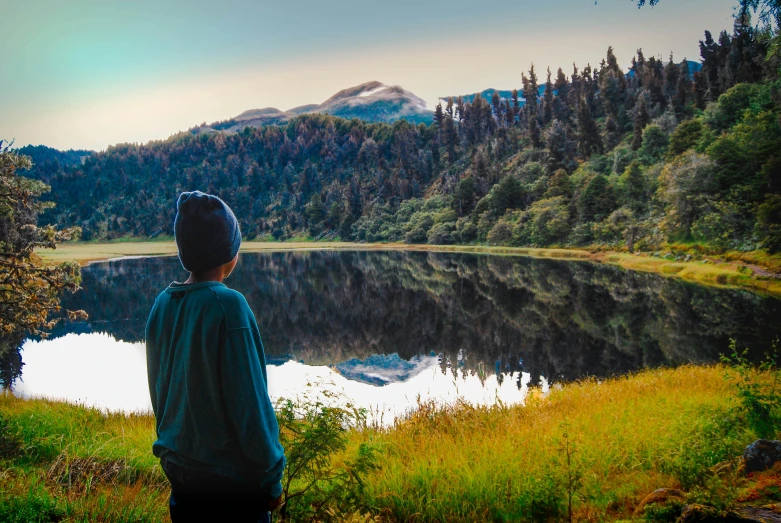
387,328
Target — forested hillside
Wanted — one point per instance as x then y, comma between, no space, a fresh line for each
602,156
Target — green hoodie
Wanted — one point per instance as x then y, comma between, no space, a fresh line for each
207,380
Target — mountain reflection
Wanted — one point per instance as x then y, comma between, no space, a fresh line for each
481,314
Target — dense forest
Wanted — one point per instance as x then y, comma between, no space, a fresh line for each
664,153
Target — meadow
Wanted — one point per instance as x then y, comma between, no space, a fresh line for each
586,451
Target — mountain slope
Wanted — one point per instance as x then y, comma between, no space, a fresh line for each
371,101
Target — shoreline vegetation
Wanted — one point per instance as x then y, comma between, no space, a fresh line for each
754,271
604,446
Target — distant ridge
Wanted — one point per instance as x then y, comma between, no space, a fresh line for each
371,101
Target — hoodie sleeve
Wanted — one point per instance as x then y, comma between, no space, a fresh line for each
248,407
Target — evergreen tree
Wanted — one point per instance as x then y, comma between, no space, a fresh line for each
451,138
496,103
30,289
466,194
633,188
671,72
597,200
315,214
531,93
710,66
561,149
547,104
683,89
589,141
641,120
439,118
559,185
507,194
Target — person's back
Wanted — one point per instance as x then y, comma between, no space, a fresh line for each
217,434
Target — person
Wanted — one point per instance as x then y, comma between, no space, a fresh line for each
217,434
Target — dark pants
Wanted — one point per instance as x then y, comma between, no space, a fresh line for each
200,496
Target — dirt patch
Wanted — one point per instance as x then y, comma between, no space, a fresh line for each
761,272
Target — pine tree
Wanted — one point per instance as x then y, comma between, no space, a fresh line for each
559,185
547,104
700,89
561,85
466,192
451,138
683,89
439,118
509,114
561,149
516,104
533,85
710,66
531,92
671,72
460,108
641,121
589,141
507,194
496,103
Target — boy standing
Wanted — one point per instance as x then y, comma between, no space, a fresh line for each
217,434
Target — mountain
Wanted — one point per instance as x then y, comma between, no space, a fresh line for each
370,101
382,369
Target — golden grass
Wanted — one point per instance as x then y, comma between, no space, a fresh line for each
627,436
660,428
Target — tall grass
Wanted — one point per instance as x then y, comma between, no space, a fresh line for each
605,444
602,444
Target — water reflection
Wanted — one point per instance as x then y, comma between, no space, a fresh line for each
98,371
388,321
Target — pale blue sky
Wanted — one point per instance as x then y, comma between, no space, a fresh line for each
91,73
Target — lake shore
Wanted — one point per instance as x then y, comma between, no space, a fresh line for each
627,437
760,274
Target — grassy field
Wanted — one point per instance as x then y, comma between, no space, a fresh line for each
754,271
606,445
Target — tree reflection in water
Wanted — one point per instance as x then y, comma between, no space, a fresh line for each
483,314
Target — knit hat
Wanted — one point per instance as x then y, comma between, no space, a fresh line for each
207,232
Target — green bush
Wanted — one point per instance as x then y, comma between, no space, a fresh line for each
313,433
760,398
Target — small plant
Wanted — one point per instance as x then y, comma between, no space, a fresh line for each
760,398
663,512
320,480
573,478
10,446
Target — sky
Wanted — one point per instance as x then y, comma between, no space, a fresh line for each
87,74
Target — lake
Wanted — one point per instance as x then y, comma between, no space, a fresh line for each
389,329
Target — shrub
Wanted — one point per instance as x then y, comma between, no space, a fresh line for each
313,433
685,137
654,145
501,234
759,394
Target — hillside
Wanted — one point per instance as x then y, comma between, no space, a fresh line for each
656,160
371,102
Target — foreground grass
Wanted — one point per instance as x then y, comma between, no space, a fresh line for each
605,444
758,272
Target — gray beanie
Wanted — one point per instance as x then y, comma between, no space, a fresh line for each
207,232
